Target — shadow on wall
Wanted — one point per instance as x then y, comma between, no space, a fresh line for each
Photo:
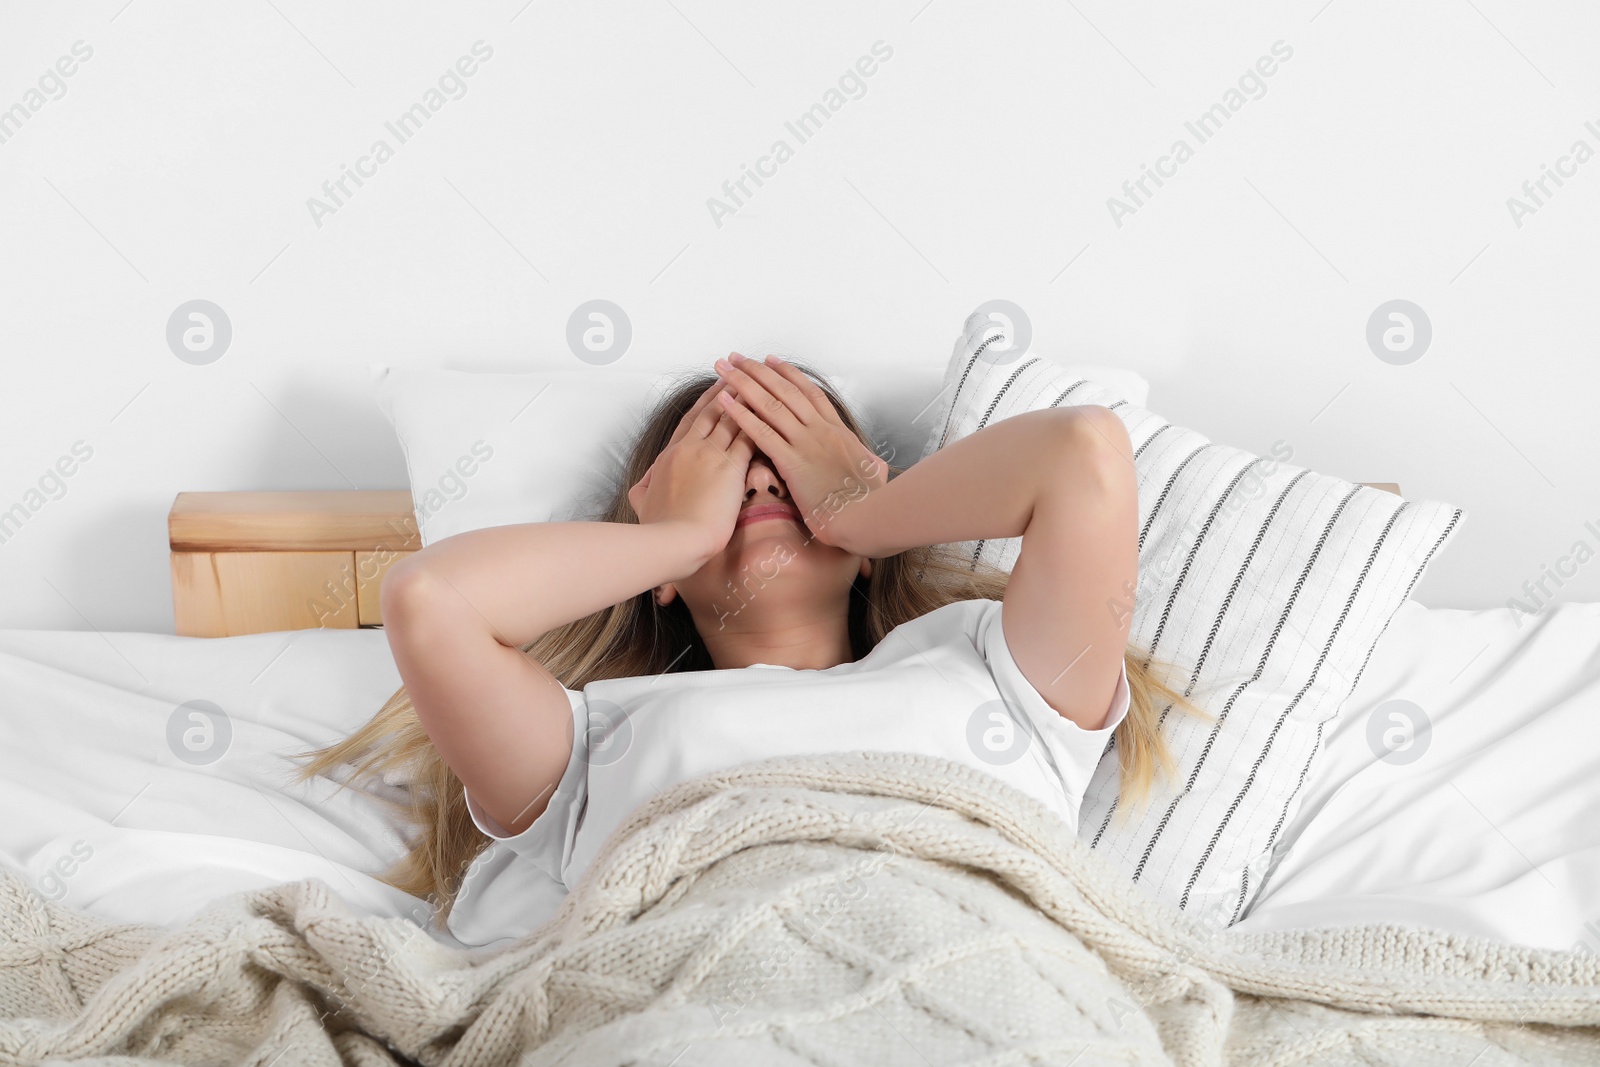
315,438
115,552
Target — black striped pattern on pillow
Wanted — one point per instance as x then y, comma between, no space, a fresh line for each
1263,589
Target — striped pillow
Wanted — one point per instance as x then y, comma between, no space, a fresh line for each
1263,586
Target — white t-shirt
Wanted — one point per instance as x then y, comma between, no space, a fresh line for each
944,684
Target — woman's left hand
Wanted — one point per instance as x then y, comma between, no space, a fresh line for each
825,466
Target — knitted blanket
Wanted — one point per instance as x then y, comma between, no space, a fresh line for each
848,909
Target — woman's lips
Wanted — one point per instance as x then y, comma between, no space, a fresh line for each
768,511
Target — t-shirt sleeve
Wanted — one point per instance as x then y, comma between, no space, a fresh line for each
1075,751
547,842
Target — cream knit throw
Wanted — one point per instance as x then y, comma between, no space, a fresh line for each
872,909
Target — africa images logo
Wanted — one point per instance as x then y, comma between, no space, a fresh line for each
805,126
1204,127
404,127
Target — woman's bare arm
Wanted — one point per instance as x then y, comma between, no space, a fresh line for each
1063,480
457,612
455,615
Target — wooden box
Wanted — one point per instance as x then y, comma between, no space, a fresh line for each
245,563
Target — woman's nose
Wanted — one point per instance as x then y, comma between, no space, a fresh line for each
762,479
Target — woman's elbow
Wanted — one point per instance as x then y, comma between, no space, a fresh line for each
408,594
1093,448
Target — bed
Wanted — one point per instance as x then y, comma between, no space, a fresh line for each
120,808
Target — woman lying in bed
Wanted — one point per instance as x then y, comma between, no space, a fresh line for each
762,588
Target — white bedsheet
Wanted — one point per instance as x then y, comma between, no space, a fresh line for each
1494,827
98,812
1494,831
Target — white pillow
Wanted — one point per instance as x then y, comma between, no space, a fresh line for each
1265,586
492,449
489,449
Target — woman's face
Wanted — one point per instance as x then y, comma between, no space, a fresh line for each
771,570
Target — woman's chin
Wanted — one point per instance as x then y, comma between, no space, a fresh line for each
769,537
773,558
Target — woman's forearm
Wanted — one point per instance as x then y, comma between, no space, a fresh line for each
983,486
524,580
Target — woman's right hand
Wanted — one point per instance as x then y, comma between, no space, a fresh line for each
699,478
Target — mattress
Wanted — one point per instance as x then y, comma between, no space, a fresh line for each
144,775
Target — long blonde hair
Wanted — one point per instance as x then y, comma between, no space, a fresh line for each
639,637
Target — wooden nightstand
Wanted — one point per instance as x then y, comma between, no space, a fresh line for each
245,563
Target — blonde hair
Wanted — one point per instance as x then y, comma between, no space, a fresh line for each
639,637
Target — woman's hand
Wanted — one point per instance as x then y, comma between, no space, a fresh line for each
791,420
698,480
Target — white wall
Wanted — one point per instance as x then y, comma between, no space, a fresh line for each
1377,165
